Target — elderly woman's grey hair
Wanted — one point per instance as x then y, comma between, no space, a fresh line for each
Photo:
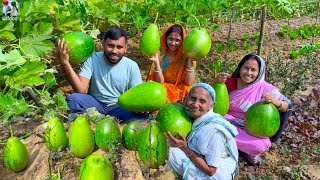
207,87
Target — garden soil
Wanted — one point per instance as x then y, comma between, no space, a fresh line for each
128,166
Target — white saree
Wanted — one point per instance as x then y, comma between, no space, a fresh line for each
212,137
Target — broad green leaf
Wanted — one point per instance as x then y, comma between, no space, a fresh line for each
61,101
7,35
11,106
26,28
28,81
35,42
25,9
124,8
6,30
35,46
6,26
30,68
92,3
60,2
26,75
34,11
42,30
66,23
10,59
45,29
114,22
46,99
49,79
138,22
46,102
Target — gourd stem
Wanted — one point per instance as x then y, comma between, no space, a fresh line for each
197,22
156,18
11,131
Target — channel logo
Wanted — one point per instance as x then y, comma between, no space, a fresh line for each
10,10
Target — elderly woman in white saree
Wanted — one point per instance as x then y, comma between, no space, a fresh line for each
210,150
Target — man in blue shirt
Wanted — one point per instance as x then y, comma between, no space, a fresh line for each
103,77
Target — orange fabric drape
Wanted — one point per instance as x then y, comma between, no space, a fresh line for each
174,75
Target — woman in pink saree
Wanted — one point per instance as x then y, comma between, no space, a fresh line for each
247,86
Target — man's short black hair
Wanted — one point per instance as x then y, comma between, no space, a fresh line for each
115,34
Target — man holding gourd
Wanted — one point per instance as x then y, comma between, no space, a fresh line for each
103,77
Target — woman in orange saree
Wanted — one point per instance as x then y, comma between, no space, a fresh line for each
173,70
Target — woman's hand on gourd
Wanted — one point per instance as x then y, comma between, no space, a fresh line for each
155,58
222,77
174,142
269,97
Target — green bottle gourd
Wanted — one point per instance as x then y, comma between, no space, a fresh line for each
197,44
152,146
16,156
145,97
95,167
81,138
150,41
107,132
222,99
55,135
174,118
262,119
82,46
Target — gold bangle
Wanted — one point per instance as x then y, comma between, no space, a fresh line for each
279,108
190,69
190,154
156,71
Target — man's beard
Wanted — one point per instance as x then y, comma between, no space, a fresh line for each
108,59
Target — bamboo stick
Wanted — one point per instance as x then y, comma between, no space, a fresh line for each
263,19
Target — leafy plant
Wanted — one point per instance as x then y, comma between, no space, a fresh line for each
290,76
245,37
51,175
305,50
220,47
284,31
294,34
246,45
24,75
12,105
232,46
294,54
7,30
215,67
305,32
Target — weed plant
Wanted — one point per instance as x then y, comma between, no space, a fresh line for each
290,75
220,48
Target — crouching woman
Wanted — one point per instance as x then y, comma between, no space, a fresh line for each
210,150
